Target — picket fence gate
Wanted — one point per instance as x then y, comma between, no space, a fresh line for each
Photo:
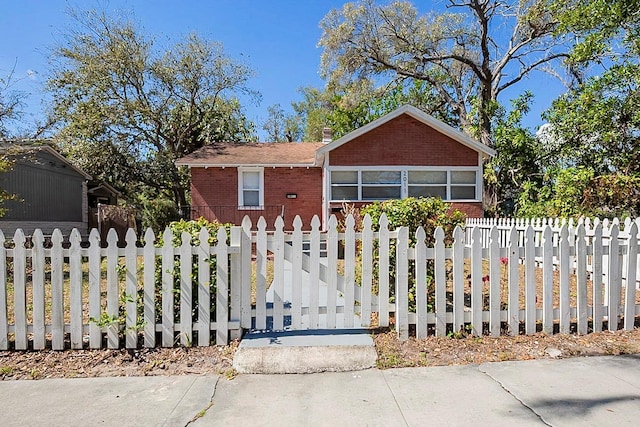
454,285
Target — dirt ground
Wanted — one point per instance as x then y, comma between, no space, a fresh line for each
392,353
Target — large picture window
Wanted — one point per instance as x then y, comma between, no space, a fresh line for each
251,188
380,184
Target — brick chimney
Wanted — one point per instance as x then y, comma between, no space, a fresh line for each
327,135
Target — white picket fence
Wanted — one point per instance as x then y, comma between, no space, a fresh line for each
58,291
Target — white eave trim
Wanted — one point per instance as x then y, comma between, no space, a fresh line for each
423,117
247,165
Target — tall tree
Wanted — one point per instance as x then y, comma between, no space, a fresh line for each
469,55
282,127
128,109
11,102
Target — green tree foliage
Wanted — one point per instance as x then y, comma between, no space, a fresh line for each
282,127
518,161
11,102
129,108
461,55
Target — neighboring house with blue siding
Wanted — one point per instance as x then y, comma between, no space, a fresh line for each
50,192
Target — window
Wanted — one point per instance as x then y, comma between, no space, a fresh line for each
250,187
378,184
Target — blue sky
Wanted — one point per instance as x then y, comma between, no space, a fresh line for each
277,38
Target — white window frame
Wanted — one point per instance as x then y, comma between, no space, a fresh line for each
241,171
404,191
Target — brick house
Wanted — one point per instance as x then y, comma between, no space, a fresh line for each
404,153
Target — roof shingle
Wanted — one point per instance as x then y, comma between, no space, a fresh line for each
247,154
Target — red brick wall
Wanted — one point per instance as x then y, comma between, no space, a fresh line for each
403,141
219,187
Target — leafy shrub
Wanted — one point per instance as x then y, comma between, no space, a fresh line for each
192,227
411,212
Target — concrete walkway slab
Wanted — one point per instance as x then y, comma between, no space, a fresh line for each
580,391
329,399
303,352
117,401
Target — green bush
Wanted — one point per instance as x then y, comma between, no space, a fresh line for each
192,227
411,212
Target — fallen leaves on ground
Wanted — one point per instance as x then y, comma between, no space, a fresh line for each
392,353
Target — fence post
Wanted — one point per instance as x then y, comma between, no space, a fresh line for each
530,281
167,288
245,255
614,288
296,275
349,272
476,281
547,281
421,284
236,282
596,277
332,279
383,271
95,309
494,282
222,288
581,279
458,279
261,275
565,261
630,288
278,275
367,271
440,283
37,265
20,289
4,327
402,284
149,298
513,309
75,292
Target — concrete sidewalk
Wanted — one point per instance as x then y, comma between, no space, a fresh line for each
599,391
580,391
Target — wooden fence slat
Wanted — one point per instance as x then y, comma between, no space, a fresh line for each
458,279
421,284
204,288
235,260
149,298
75,289
186,290
565,260
222,291
57,292
296,275
314,273
596,278
402,283
261,275
530,281
614,289
168,319
494,282
4,321
440,283
349,272
131,289
513,261
547,281
581,279
383,272
630,287
95,308
476,282
278,275
113,291
367,271
245,256
20,290
332,265
37,265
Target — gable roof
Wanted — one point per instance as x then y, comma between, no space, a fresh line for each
419,115
253,154
22,147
